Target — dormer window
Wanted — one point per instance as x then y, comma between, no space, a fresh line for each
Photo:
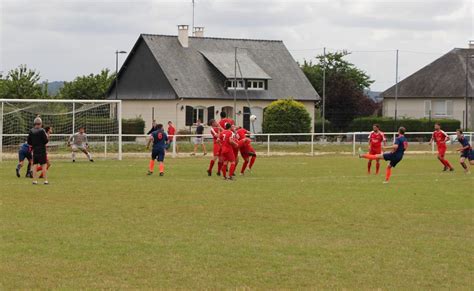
256,85
235,84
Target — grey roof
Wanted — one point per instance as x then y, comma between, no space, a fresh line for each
225,63
200,70
443,78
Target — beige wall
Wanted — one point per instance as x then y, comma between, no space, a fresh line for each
415,108
170,110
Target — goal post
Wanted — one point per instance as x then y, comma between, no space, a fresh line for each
102,120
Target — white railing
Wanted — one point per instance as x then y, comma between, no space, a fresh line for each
266,144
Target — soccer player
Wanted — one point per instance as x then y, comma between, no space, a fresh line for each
78,141
198,140
466,151
394,156
37,139
159,139
246,150
440,137
171,133
224,120
153,127
376,138
49,131
24,153
215,131
226,139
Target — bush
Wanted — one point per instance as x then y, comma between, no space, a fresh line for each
411,124
328,127
133,126
285,116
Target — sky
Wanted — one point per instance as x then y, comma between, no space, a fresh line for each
65,39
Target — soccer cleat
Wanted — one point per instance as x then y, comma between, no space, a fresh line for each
360,152
162,174
18,172
149,173
218,173
91,160
193,154
73,161
205,154
231,178
35,182
385,182
445,169
29,174
46,183
209,173
451,170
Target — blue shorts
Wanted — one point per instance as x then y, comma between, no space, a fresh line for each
22,155
468,154
158,154
393,158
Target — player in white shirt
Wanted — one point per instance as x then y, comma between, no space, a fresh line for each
78,142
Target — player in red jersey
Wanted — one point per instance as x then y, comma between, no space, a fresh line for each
246,150
227,142
224,120
215,131
440,137
376,138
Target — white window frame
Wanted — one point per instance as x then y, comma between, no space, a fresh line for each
240,85
429,108
196,114
254,84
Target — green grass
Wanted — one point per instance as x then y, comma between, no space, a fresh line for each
294,223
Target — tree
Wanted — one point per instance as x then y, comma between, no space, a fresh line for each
345,84
22,83
88,87
285,116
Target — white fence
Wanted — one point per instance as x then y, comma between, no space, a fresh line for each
111,145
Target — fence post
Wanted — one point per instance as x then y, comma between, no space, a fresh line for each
119,116
174,146
105,147
354,143
73,117
312,144
1,132
268,145
432,147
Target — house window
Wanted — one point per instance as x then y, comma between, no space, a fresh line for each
256,85
198,113
438,108
235,84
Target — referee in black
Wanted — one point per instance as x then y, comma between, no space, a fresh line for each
37,139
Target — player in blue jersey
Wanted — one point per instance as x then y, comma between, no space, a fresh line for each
466,151
24,153
395,155
160,141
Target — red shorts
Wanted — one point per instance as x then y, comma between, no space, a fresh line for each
375,151
217,149
236,152
442,149
228,156
245,151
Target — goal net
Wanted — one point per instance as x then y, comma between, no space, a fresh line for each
101,120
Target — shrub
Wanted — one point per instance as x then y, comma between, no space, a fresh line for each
133,126
328,127
411,124
285,116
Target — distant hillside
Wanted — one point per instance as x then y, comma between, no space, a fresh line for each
53,87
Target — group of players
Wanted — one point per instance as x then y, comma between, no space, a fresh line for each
228,141
396,151
34,150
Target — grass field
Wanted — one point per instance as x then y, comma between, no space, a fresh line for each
293,223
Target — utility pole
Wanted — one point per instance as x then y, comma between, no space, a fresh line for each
235,85
323,113
396,89
193,17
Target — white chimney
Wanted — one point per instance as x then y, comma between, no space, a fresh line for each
471,44
183,35
198,31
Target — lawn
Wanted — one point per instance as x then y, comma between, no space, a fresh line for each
293,223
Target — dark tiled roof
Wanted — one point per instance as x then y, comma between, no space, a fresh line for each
444,78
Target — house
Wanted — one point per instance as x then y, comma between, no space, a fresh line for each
182,79
442,89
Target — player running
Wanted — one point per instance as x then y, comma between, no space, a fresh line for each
37,139
24,153
78,141
440,137
49,131
394,156
215,131
246,150
376,138
227,142
160,141
466,151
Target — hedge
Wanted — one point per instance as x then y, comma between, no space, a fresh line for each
328,127
411,124
133,126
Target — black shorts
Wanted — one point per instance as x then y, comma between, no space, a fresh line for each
40,158
22,155
468,154
158,154
393,158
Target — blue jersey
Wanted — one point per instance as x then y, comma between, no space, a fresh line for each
24,148
159,140
402,143
465,143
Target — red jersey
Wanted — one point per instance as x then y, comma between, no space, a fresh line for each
223,122
215,133
226,140
171,132
440,137
376,139
241,133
